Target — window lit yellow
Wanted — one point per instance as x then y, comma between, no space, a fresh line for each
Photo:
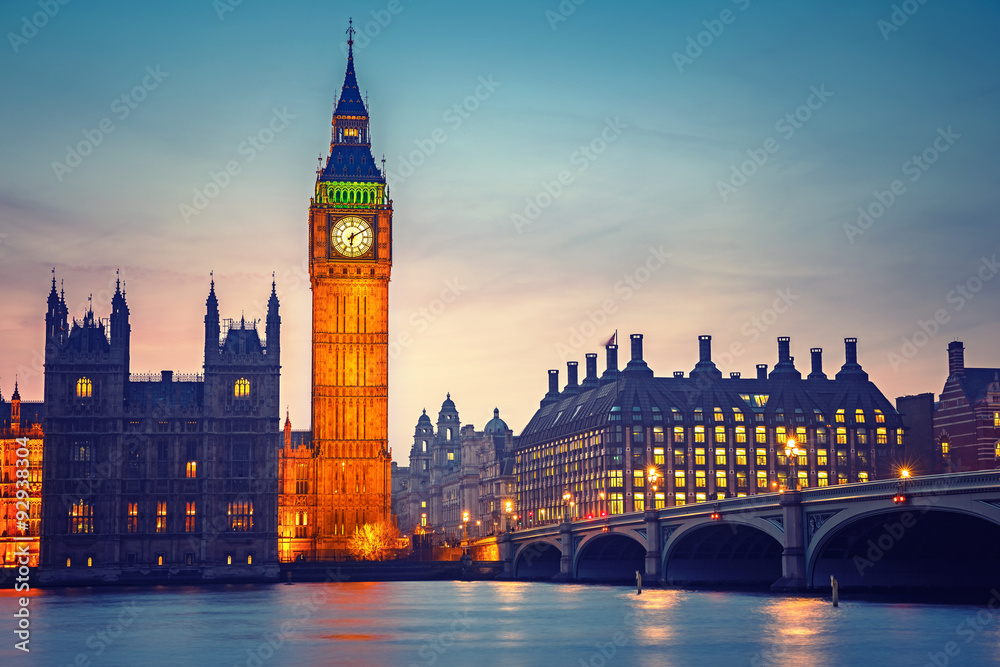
84,388
242,388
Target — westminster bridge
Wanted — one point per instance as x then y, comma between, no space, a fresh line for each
939,531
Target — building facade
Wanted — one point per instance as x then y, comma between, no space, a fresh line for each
628,440
165,475
966,418
20,479
459,481
350,258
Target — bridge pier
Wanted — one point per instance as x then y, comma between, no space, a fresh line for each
793,557
566,559
506,548
652,546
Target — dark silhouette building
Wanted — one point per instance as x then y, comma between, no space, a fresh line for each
627,440
147,477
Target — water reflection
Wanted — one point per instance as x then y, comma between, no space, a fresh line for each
796,631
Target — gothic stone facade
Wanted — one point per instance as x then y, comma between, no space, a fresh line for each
159,477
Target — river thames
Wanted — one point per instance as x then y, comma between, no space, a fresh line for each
488,623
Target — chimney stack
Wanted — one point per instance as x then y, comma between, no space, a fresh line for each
637,365
784,350
817,364
572,383
591,379
735,375
553,394
704,348
956,358
611,372
761,371
678,374
636,347
851,350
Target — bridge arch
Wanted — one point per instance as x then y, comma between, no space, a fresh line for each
611,556
937,542
734,551
538,559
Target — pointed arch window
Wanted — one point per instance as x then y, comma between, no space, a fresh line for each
242,388
84,388
81,517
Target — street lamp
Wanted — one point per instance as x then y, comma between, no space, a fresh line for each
604,511
792,452
567,503
465,524
653,476
508,507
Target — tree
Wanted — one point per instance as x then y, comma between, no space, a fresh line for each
374,541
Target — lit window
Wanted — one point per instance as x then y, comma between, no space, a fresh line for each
996,418
242,388
859,416
761,479
69,562
638,480
679,499
879,417
762,457
718,415
229,559
132,518
657,434
741,457
249,559
451,456
741,434
84,388
721,481
678,457
737,414
841,436
90,561
841,478
658,458
996,450
161,517
350,131
760,435
840,415
881,437
679,479
720,456
862,476
700,497
699,434
159,559
699,457
700,480
823,478
639,502
780,434
192,469
617,503
821,458
945,446
720,434
678,434
240,516
189,514
81,518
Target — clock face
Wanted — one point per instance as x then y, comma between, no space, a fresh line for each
351,236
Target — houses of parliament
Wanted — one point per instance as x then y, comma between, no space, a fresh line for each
152,477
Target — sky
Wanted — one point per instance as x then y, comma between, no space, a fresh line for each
559,171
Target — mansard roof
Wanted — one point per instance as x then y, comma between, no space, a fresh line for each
642,399
353,163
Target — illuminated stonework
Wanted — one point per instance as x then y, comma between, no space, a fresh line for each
20,480
350,334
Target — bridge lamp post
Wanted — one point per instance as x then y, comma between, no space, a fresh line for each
603,510
792,452
567,503
653,476
508,508
465,525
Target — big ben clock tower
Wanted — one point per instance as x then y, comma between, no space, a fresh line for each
350,258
